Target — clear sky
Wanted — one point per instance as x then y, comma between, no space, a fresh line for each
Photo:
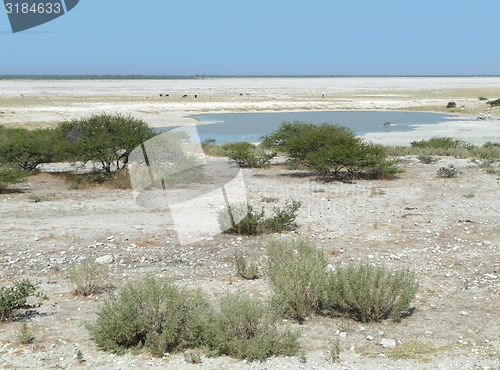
257,37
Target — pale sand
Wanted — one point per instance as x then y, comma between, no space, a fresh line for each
29,103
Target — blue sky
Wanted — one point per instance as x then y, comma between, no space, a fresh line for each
272,37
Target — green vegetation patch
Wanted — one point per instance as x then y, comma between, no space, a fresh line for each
330,150
163,317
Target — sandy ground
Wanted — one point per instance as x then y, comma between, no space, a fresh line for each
446,230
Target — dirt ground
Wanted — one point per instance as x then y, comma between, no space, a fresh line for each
446,230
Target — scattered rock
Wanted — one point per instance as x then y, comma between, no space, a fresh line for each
369,337
388,343
107,259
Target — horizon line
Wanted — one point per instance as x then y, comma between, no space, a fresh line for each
198,76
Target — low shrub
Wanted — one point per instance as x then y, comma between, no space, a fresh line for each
192,357
283,217
211,149
163,317
494,103
88,277
10,174
442,143
447,172
451,104
15,296
250,224
482,98
427,159
246,270
296,271
334,352
244,328
253,222
245,154
25,336
369,293
152,313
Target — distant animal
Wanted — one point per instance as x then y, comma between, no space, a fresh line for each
161,94
166,95
387,124
184,96
195,96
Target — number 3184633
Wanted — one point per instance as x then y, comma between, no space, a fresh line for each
35,8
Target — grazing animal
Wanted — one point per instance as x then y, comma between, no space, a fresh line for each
184,96
166,95
387,124
161,94
195,96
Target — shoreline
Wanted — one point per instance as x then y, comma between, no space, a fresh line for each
44,103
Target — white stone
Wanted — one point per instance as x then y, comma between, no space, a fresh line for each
107,259
388,343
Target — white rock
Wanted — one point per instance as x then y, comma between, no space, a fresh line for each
464,313
107,259
369,337
343,334
388,343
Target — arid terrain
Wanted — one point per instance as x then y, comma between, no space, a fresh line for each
446,230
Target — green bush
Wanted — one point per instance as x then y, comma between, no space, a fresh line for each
246,270
427,159
283,217
253,222
88,277
152,313
451,104
244,328
442,143
330,150
245,154
369,293
447,172
15,296
29,148
211,149
105,139
296,271
164,318
494,103
10,174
